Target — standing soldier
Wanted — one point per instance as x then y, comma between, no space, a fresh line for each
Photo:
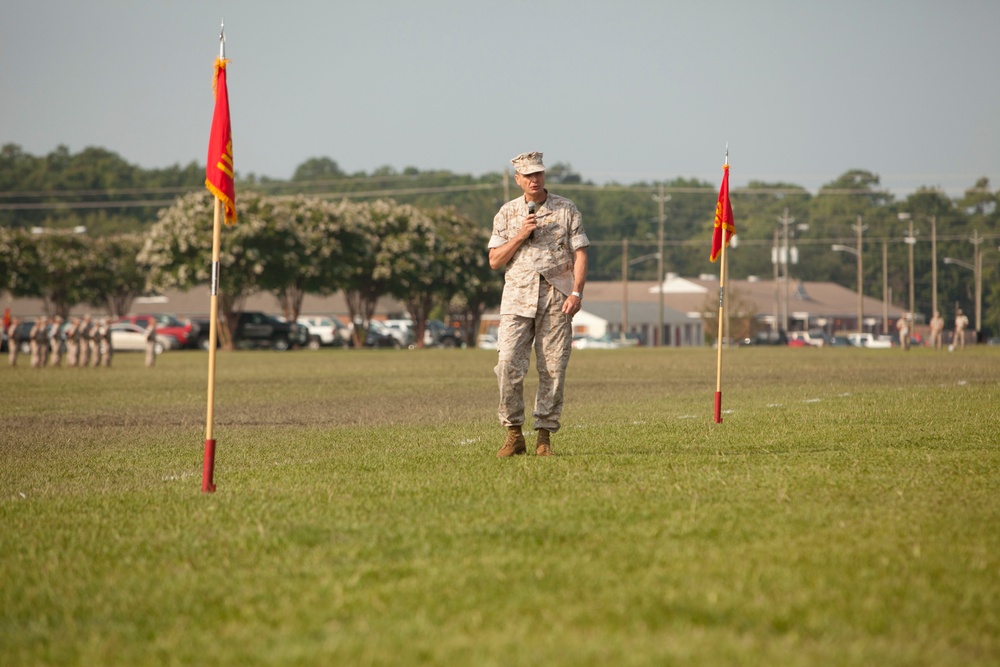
937,327
56,341
151,346
84,360
33,340
903,327
40,343
13,341
94,344
540,238
43,343
961,321
73,342
105,336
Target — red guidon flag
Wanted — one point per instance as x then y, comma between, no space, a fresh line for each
219,177
723,217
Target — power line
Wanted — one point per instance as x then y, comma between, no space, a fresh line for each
383,192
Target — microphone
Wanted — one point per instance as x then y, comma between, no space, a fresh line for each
531,211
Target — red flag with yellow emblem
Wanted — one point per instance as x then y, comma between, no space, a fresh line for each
219,177
723,217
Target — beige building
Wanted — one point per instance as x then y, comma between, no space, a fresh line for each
689,304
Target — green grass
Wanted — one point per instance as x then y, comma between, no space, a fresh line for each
845,513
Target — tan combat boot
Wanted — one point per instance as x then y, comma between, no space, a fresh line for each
514,444
544,444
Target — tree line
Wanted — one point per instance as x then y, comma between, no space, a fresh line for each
63,191
432,260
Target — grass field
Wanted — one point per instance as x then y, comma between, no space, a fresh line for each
847,512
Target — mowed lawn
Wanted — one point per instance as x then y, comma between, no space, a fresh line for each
846,512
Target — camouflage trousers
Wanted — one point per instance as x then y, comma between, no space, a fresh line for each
550,332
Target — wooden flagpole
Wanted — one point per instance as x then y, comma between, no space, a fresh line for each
722,298
208,465
208,468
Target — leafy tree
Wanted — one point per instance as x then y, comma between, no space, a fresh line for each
381,231
315,248
317,169
178,252
116,278
480,287
50,266
92,176
443,247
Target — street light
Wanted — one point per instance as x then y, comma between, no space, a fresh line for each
625,265
836,247
977,270
783,255
661,199
910,240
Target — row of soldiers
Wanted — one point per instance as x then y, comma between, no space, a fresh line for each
84,341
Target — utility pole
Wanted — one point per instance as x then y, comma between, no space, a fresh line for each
661,199
857,252
934,306
860,228
885,286
777,292
785,257
977,262
624,287
911,240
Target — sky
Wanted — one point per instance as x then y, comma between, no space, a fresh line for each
622,90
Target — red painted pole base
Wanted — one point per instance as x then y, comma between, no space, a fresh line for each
208,470
718,407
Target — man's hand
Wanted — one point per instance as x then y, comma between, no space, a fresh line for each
528,226
572,305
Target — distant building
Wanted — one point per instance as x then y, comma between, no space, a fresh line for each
753,304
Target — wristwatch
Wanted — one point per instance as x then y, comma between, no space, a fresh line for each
578,295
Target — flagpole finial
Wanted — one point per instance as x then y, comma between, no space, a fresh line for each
727,153
222,40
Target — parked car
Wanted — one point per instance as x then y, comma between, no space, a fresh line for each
813,338
605,342
487,342
378,335
883,342
204,326
325,331
767,337
130,337
185,332
866,339
437,334
402,330
255,329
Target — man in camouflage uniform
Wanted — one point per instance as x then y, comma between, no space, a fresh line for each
13,341
540,238
56,341
84,335
40,343
104,341
73,342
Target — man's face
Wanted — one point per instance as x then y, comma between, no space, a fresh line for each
532,184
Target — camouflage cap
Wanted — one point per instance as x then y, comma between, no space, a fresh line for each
528,163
